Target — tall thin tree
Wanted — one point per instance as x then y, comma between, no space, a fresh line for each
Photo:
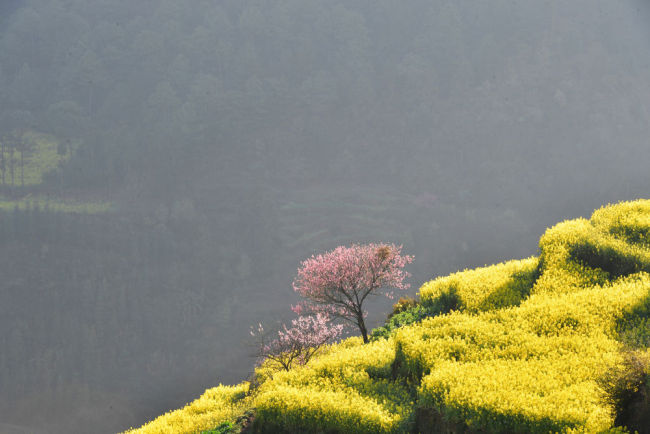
3,163
21,144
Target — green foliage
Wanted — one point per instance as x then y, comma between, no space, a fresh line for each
406,317
411,312
224,428
403,304
408,311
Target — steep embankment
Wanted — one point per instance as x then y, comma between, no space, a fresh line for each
553,343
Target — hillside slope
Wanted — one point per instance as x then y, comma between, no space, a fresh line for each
553,343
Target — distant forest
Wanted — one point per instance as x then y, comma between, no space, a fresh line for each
233,139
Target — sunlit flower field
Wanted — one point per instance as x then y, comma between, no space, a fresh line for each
536,345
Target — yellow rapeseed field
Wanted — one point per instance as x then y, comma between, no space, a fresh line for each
217,405
528,346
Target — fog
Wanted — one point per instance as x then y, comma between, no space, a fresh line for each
167,165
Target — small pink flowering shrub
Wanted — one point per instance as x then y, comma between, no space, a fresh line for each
300,342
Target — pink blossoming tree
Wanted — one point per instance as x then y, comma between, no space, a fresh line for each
338,282
298,343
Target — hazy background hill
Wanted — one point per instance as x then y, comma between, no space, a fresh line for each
201,151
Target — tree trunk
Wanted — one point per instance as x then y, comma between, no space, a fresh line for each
4,164
362,327
22,164
12,166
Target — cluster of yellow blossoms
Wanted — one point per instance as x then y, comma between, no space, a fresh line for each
349,389
486,288
527,348
216,405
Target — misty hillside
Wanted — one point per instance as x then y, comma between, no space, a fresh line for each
554,343
165,168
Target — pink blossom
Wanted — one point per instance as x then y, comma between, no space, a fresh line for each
337,283
301,341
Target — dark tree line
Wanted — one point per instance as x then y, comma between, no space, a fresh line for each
338,90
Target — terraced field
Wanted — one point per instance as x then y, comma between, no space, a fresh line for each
554,343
